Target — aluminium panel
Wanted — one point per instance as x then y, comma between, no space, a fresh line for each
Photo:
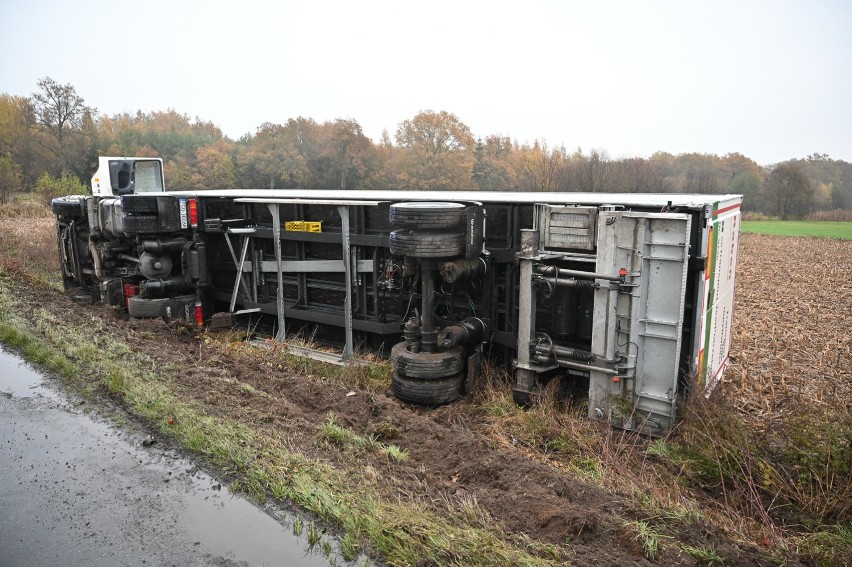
639,322
718,299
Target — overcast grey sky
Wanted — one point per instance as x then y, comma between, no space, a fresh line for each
769,79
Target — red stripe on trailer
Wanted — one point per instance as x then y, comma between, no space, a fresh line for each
721,367
726,209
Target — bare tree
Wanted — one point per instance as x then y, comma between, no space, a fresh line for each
594,173
60,112
643,176
10,178
539,168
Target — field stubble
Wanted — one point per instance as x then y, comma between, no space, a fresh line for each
792,341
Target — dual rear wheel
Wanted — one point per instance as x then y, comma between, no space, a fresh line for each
427,231
427,378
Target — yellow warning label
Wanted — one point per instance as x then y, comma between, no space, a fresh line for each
303,226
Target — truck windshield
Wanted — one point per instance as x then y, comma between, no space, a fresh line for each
149,178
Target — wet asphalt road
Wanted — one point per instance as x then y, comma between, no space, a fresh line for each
75,490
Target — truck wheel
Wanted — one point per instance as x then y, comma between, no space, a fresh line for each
427,216
426,365
170,307
72,206
140,223
427,392
426,244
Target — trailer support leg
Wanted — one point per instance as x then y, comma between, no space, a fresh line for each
525,375
348,349
279,268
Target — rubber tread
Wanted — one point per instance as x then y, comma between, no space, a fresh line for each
426,245
427,216
69,207
427,392
426,365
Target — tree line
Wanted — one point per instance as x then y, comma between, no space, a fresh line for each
50,142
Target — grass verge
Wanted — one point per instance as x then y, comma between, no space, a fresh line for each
334,433
264,463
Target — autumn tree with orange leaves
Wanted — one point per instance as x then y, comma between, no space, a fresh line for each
435,152
54,131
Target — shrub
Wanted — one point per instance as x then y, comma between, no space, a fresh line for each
50,187
754,216
841,215
796,471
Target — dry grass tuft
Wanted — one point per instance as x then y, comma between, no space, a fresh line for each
25,205
836,215
31,243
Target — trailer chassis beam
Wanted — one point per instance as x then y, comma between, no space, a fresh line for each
343,210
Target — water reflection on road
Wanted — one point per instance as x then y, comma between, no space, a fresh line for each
75,490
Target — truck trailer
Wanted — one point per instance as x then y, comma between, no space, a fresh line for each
631,294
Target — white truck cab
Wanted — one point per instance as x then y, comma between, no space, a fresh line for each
127,176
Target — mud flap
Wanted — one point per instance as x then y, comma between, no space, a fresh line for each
474,370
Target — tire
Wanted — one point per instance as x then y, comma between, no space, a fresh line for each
170,307
72,206
427,392
427,216
140,224
426,365
426,244
139,204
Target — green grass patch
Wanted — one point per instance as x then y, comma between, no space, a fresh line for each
334,433
647,537
828,547
824,229
706,554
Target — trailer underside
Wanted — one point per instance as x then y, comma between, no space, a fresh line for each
609,290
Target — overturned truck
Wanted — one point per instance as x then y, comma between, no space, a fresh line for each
631,294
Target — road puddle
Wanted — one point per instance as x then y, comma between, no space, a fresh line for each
19,379
82,491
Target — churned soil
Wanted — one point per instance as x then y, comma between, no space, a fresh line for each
451,454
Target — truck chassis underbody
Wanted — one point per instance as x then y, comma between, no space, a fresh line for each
630,293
